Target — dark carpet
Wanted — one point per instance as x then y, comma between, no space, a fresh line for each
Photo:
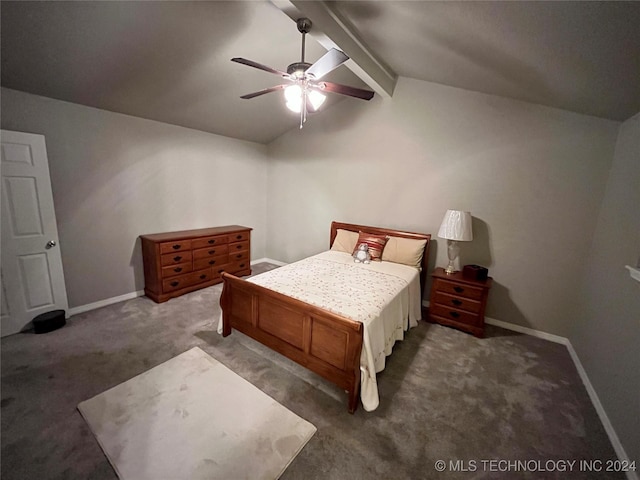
506,406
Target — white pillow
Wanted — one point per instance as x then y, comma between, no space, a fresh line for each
345,241
404,250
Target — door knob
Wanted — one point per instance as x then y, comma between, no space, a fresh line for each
51,243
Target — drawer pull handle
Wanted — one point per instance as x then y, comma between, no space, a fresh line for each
177,270
238,237
211,262
454,314
177,258
176,247
239,247
242,265
239,255
221,270
211,252
458,289
174,284
456,302
202,277
211,242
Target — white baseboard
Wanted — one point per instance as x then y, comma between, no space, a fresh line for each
268,260
595,400
104,303
139,293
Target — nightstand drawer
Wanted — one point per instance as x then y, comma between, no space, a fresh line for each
459,289
456,301
455,314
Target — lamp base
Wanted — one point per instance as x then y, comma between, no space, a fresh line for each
453,250
450,269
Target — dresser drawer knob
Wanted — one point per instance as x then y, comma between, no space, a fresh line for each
458,289
202,277
238,237
177,270
239,255
456,302
239,247
212,262
211,252
211,242
221,270
177,259
242,265
454,314
177,246
174,284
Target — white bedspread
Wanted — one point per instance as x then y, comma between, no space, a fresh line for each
384,296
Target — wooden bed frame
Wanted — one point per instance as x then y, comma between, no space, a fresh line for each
324,342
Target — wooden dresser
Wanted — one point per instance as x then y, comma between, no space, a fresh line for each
458,302
176,263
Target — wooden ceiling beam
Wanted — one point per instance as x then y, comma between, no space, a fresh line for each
331,30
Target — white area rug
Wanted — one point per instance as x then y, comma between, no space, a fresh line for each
193,418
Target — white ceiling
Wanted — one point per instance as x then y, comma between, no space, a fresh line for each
169,61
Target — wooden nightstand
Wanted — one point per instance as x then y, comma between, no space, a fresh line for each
458,302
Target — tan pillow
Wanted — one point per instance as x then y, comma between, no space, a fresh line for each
375,242
345,241
404,250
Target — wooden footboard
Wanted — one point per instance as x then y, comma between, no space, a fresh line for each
325,343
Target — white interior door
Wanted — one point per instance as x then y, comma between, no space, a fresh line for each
31,267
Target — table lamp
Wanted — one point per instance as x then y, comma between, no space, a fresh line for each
456,227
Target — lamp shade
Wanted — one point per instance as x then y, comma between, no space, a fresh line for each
456,225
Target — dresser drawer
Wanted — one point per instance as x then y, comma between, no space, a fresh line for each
236,257
239,236
182,281
455,314
175,258
178,269
209,241
210,252
238,247
236,267
177,246
457,301
458,289
210,262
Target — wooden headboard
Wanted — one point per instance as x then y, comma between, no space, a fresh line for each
392,233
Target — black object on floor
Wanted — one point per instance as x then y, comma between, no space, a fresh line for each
47,322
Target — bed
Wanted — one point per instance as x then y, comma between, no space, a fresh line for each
331,315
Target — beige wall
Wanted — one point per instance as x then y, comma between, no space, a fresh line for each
606,334
115,177
533,178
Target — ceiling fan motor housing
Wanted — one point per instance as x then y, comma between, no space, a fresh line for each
297,69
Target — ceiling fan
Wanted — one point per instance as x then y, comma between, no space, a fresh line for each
305,91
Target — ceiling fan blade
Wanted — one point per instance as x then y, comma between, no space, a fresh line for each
262,92
328,62
259,66
344,90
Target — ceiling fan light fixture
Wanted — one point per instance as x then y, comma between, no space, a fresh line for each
293,96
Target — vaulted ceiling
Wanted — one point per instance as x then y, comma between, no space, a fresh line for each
169,61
